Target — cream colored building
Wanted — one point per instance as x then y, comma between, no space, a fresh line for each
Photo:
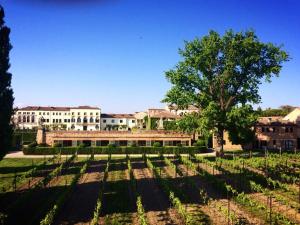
180,112
59,118
121,122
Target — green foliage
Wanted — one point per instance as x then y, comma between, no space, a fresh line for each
6,92
189,123
111,146
170,125
240,124
141,211
57,145
282,111
32,145
156,145
219,74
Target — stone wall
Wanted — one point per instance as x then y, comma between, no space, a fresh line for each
51,137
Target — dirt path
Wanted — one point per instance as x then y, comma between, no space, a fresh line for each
80,206
117,205
154,200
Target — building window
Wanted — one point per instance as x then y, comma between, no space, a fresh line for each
65,120
133,121
47,120
78,113
69,120
84,113
28,119
78,120
112,121
19,119
72,113
40,113
97,114
59,120
91,120
121,121
73,120
48,114
32,119
53,120
97,127
19,112
85,120
91,114
44,113
97,120
104,121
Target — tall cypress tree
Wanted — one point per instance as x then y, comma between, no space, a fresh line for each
6,92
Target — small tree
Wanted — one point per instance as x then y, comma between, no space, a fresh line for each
6,92
219,75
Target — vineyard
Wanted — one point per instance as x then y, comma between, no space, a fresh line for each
176,189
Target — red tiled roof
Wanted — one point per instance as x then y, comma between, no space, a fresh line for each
161,113
54,108
117,116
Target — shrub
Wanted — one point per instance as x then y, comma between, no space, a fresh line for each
156,144
133,144
57,145
32,144
179,145
111,146
200,142
82,145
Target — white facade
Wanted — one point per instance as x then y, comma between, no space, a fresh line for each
69,118
181,112
118,121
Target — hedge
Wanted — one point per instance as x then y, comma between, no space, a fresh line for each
113,150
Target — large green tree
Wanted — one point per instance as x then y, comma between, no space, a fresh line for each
6,92
221,76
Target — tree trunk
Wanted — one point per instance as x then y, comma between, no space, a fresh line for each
220,141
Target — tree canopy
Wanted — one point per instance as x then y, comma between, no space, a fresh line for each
221,75
6,92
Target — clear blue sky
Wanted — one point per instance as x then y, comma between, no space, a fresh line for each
113,53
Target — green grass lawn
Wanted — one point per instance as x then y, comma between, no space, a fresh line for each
10,167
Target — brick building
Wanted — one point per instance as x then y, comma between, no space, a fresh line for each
274,132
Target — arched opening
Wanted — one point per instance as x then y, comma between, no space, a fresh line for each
78,120
91,120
